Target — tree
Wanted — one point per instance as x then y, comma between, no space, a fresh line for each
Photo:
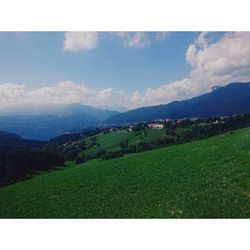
81,158
124,144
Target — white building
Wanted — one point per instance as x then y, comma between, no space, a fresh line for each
155,126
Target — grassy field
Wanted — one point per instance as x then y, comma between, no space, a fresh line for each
111,141
203,179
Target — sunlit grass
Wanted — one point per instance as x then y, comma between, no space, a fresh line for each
203,179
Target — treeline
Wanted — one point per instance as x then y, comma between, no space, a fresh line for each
17,162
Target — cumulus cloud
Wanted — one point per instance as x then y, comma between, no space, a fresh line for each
79,41
141,39
64,93
224,61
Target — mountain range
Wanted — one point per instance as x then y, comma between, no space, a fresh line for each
46,124
233,98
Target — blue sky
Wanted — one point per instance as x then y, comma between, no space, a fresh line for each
129,69
38,59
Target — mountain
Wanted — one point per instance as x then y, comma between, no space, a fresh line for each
78,109
228,100
118,108
11,139
46,124
7,137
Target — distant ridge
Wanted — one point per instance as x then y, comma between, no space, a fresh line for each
46,124
233,98
11,139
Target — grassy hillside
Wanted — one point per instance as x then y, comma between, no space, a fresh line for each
111,141
203,179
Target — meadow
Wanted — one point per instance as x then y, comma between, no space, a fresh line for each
111,141
203,179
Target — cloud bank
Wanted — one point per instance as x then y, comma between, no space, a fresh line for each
68,92
218,63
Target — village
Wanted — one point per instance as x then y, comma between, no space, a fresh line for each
160,123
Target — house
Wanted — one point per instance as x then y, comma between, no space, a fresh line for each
181,120
194,119
155,126
217,122
130,128
113,129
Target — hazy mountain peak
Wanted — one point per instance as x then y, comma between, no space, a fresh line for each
118,108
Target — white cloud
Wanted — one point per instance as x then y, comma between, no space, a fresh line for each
201,41
134,39
78,41
163,94
10,91
141,39
224,61
160,36
191,54
68,92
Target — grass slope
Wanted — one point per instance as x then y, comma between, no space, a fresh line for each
203,179
111,141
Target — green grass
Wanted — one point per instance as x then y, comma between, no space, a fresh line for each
203,179
111,141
